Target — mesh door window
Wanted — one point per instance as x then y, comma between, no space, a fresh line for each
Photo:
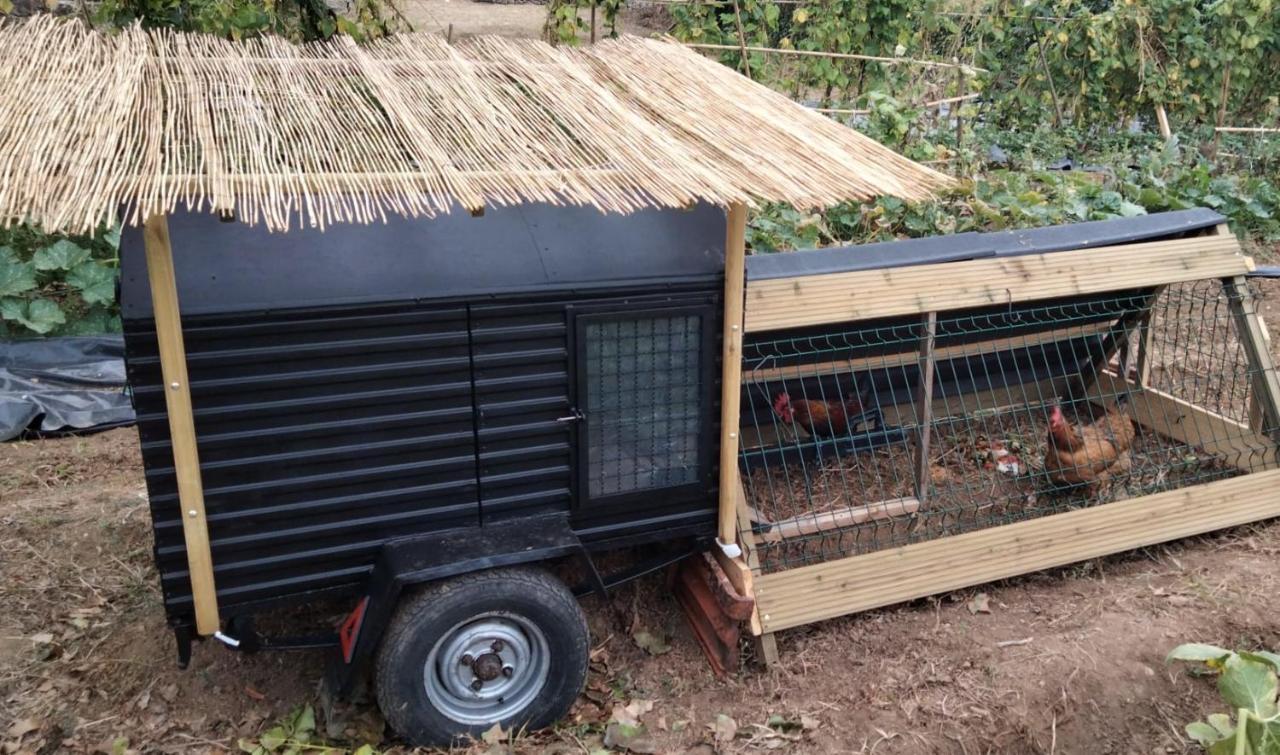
644,391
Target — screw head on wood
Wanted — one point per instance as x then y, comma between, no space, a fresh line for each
174,385
192,513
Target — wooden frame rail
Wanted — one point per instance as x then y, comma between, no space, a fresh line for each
858,583
838,297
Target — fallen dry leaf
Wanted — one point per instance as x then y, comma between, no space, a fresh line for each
630,713
725,728
620,736
980,604
23,727
651,643
494,734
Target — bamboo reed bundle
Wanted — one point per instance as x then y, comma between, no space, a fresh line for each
334,132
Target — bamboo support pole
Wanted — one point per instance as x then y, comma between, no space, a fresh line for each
735,245
182,430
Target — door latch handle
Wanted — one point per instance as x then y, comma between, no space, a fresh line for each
575,417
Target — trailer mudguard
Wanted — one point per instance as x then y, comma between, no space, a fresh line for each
430,557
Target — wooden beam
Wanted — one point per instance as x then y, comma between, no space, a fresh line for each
1265,384
858,583
1182,421
924,404
899,359
182,429
779,303
1146,345
1257,415
741,572
735,273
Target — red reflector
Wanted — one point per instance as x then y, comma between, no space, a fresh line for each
350,629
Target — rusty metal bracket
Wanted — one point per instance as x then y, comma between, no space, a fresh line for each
714,608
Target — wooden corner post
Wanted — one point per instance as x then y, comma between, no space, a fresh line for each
182,430
735,277
1264,392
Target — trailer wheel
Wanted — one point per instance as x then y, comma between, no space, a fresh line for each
506,646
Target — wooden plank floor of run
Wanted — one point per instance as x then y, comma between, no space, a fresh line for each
821,591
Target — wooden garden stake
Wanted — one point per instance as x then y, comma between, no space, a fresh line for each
1222,108
735,263
182,429
742,40
1044,65
1162,120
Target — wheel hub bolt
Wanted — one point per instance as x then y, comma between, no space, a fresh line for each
507,671
496,646
467,660
476,685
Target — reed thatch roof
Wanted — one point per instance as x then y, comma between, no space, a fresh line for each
336,132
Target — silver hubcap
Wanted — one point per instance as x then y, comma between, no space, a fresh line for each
487,668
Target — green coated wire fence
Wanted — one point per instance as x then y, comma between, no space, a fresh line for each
1033,409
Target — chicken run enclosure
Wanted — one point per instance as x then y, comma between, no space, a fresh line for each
926,415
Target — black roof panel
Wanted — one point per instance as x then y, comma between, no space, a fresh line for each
968,246
225,267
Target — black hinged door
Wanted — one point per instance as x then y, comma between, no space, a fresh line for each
644,390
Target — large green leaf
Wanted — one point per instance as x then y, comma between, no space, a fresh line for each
15,277
40,315
1197,651
1250,685
1263,656
96,283
62,255
96,321
1203,733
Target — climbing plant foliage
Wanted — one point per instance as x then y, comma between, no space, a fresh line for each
1103,62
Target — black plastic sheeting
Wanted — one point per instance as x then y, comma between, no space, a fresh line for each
57,385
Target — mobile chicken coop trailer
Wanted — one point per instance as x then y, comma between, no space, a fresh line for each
514,327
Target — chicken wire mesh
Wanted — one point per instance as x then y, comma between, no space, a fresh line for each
1033,409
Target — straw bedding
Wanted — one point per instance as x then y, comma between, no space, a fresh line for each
146,120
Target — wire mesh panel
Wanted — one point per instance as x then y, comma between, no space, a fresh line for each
645,380
1032,409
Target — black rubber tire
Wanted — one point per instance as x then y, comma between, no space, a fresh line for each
425,616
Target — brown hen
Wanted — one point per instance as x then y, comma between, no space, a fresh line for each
1088,455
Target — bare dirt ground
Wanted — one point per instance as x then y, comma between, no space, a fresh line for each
1069,661
469,19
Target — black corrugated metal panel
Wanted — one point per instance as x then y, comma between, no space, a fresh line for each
321,435
522,386
224,267
969,246
325,433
